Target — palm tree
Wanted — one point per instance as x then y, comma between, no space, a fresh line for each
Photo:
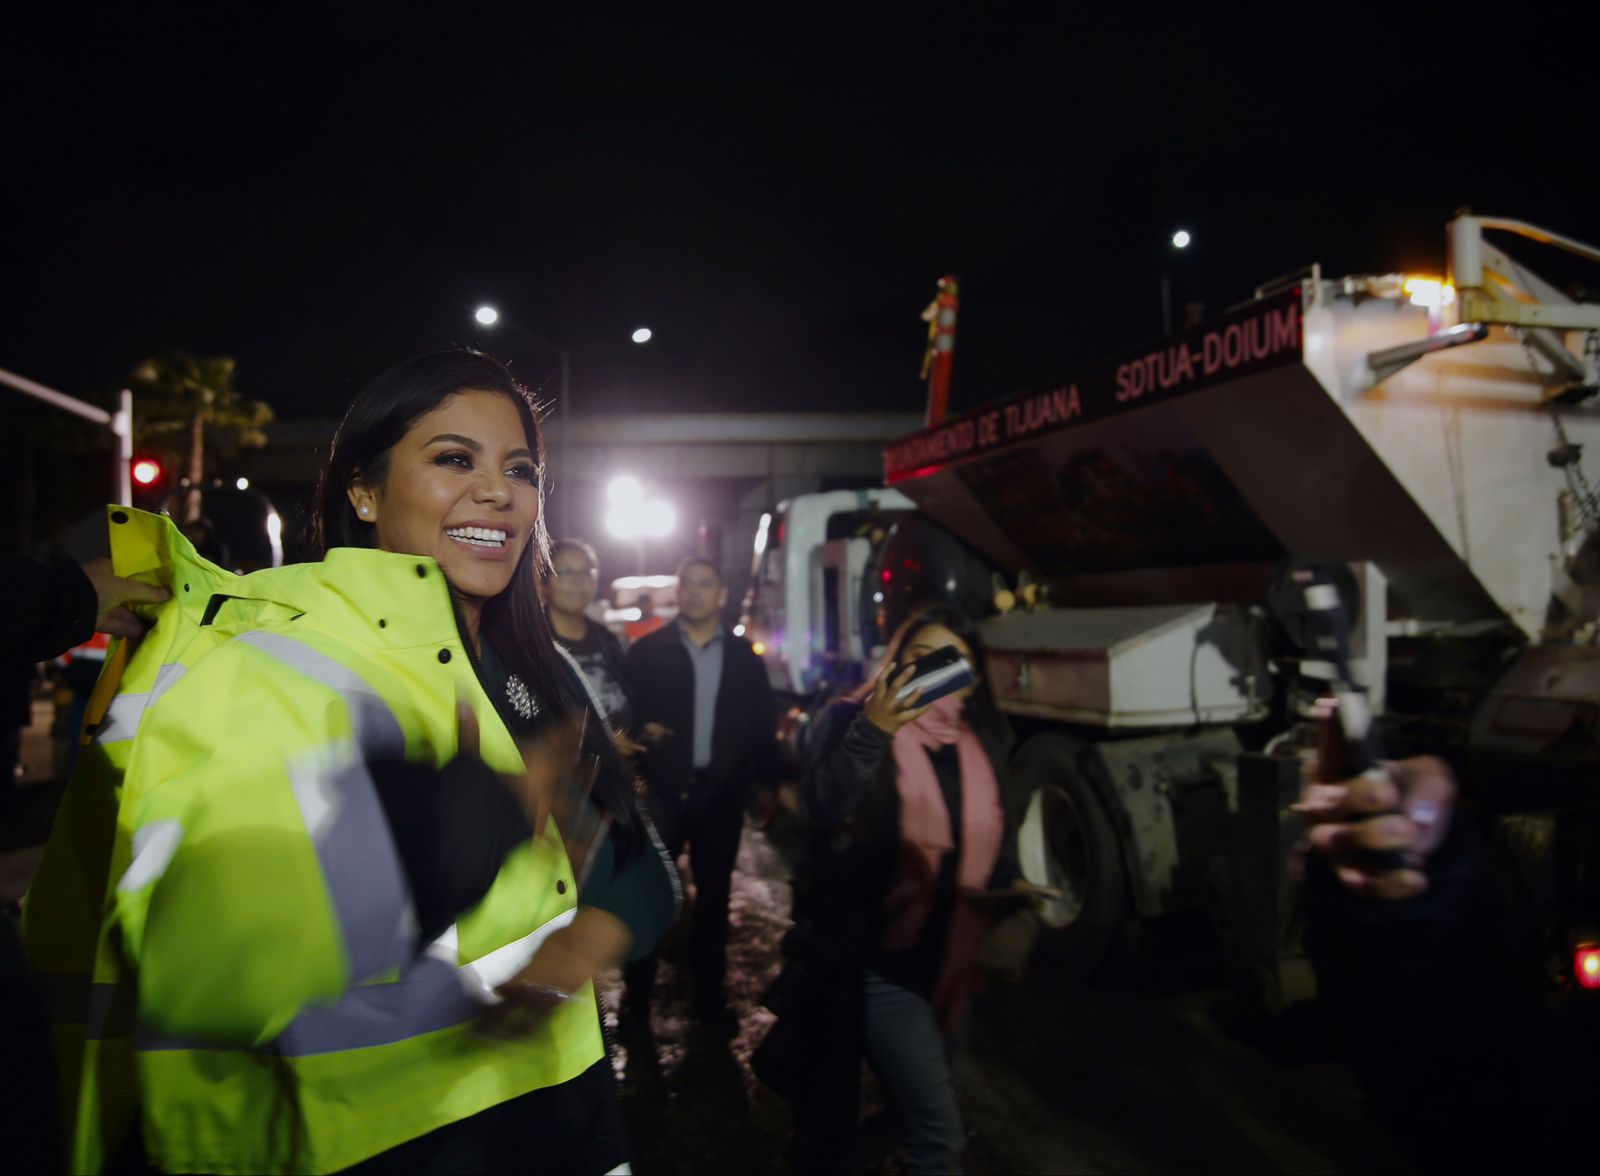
178,394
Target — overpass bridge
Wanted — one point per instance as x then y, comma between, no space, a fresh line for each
719,471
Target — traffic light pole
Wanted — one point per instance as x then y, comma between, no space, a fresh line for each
120,423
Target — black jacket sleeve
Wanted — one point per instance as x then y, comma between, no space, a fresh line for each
48,608
453,828
842,768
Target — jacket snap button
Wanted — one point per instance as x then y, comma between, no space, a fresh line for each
422,570
119,516
561,886
382,624
444,656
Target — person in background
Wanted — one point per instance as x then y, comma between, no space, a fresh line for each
48,608
348,927
1420,971
569,590
17,681
909,847
707,713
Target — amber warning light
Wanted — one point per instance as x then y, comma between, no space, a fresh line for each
1586,965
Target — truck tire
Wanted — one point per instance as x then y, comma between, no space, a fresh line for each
1066,840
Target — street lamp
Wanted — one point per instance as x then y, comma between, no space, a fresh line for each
1180,241
488,316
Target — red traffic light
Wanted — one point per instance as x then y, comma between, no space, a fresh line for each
1586,965
147,471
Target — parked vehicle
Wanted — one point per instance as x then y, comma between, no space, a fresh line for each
1120,529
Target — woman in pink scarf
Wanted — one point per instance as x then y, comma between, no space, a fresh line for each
904,801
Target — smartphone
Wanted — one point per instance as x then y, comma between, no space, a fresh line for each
944,671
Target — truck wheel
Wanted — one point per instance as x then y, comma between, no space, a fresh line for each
1066,840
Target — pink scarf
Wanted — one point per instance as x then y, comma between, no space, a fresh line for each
925,832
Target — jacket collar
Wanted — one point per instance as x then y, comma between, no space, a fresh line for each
371,597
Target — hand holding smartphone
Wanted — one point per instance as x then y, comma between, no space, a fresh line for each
942,672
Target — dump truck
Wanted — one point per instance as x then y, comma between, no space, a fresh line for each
1430,438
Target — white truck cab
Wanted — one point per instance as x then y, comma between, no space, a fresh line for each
806,579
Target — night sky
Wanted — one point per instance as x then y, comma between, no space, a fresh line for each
323,194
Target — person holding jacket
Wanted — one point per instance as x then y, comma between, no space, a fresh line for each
49,608
357,874
904,803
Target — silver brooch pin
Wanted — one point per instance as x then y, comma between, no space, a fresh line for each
520,698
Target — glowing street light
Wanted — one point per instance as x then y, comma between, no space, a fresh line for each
487,315
624,490
242,483
632,516
642,335
1181,240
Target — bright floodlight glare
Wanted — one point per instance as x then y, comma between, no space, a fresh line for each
642,335
624,490
242,483
623,521
634,518
145,472
487,315
1181,239
656,519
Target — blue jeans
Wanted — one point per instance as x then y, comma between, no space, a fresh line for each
907,1051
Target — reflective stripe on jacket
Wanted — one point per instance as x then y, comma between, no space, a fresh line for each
286,1018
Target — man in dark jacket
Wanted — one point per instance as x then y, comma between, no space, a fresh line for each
706,711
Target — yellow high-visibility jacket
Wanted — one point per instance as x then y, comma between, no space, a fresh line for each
221,919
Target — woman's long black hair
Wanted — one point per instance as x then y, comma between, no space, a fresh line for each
514,621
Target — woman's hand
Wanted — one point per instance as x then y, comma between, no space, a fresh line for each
1403,808
548,762
884,710
594,941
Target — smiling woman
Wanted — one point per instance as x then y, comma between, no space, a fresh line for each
365,896
463,487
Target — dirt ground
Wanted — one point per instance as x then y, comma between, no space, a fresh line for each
1053,1075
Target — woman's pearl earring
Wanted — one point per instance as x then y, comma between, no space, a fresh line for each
363,510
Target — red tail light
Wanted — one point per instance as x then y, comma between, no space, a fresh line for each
1586,965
